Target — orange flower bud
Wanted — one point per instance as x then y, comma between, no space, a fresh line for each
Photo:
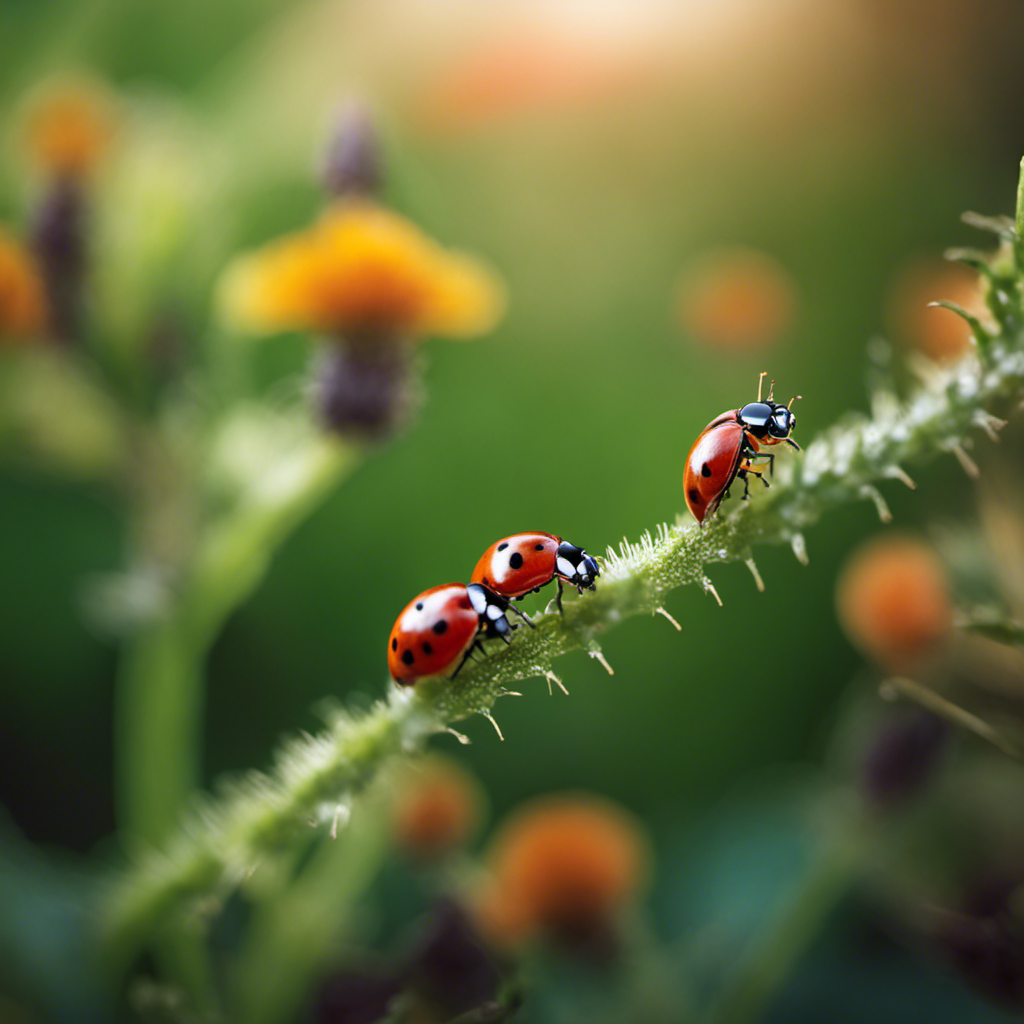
893,601
436,809
68,127
736,300
22,303
936,332
562,866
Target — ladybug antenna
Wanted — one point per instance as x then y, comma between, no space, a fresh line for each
771,391
760,381
792,400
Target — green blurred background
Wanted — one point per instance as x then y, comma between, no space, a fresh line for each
591,153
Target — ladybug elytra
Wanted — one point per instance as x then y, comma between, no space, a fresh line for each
515,565
441,626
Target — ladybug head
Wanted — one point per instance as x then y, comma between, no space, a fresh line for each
767,420
576,567
491,608
782,422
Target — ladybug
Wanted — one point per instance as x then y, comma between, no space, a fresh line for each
513,566
441,626
730,447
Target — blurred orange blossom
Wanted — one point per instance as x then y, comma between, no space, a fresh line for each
436,808
938,333
894,602
561,866
22,303
361,270
68,126
736,300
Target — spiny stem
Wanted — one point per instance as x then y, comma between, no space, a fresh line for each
223,842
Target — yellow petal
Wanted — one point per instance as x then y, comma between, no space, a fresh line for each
361,269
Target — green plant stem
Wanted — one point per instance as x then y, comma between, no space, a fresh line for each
285,943
840,466
259,817
160,689
163,674
182,954
844,464
773,954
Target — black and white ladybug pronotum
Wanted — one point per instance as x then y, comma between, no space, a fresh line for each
513,566
438,629
730,447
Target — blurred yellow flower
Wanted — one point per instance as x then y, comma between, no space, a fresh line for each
361,270
68,126
22,305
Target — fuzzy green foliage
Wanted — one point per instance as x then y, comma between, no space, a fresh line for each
315,777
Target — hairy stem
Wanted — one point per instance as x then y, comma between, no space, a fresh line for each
844,464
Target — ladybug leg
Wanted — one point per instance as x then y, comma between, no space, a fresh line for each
742,475
758,468
475,645
561,610
793,444
526,618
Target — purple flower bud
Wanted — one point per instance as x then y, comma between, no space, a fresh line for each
985,942
450,966
362,386
357,995
352,164
902,758
58,239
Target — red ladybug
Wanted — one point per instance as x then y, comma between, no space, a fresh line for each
441,626
513,566
730,446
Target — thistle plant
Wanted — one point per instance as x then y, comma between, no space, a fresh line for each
319,778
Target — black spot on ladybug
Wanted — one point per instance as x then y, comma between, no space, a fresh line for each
694,495
440,627
419,606
394,644
516,561
705,470
427,649
503,545
538,547
407,657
